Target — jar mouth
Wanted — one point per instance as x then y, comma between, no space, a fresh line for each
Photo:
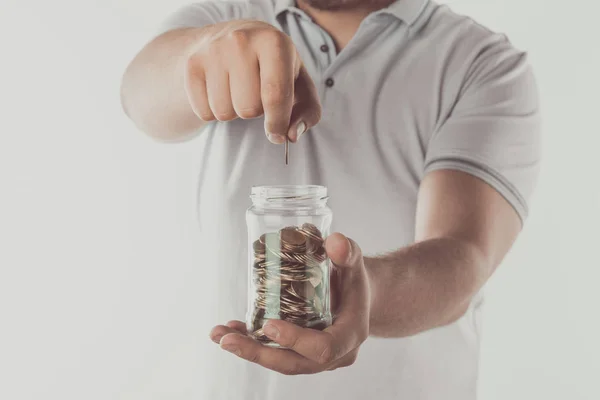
284,193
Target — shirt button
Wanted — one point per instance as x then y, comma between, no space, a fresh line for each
329,82
324,48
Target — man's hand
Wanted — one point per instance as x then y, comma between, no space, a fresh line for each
244,69
309,351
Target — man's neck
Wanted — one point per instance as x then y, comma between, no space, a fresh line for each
340,24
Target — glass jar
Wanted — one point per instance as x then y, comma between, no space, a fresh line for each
288,267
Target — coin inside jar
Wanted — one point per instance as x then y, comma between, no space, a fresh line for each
258,246
304,290
292,236
287,272
292,240
311,231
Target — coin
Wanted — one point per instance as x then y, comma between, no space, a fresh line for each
258,246
259,335
320,255
303,290
313,245
311,230
287,269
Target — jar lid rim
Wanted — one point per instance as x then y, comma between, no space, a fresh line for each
288,192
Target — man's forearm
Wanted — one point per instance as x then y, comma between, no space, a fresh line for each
153,92
423,286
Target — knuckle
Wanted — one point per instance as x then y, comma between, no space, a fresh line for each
290,341
213,49
363,338
239,37
316,115
192,65
275,92
290,370
313,117
253,357
351,360
355,246
326,353
274,38
287,372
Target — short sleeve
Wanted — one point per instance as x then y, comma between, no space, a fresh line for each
203,13
493,129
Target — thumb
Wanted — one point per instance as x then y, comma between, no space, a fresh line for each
348,275
343,252
306,111
350,293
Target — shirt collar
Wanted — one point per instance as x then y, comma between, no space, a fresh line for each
405,10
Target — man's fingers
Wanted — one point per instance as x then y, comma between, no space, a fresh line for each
306,112
231,327
195,84
219,95
237,325
277,59
219,331
245,84
284,361
345,361
319,346
350,328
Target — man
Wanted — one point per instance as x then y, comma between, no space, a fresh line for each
423,125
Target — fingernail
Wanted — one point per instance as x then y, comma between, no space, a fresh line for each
349,258
300,129
275,139
216,339
231,349
271,331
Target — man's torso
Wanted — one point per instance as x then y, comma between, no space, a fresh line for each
390,89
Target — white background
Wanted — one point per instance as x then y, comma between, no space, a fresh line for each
97,229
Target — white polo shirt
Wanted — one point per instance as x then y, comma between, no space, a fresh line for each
418,88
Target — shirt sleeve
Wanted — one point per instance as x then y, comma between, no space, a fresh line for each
203,13
493,130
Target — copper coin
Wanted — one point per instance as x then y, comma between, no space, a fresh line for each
258,246
287,268
311,230
292,236
315,243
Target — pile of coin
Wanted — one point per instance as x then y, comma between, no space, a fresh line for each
288,274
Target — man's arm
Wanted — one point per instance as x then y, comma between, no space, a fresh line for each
480,168
464,229
234,69
153,91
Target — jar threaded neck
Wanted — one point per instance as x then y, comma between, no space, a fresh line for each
289,196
